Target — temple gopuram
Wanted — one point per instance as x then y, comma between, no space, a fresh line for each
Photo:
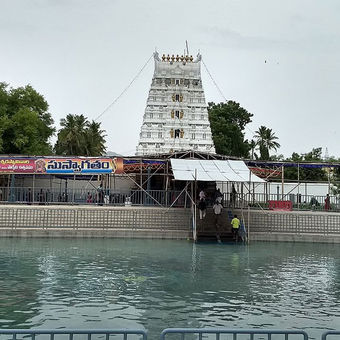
176,115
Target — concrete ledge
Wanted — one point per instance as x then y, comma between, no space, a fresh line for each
290,237
95,233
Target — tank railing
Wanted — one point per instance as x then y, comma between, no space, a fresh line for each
217,332
38,195
127,334
299,202
98,196
329,333
52,334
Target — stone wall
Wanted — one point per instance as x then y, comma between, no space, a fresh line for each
301,226
174,223
95,221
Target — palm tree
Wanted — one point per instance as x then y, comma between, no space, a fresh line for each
252,146
266,141
72,136
95,139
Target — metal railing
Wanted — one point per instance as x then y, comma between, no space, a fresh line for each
299,202
127,334
235,333
54,334
39,195
42,196
329,333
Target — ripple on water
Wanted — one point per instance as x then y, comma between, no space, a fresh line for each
157,284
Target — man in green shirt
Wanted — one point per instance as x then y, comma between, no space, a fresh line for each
235,222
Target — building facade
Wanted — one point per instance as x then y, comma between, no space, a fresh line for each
176,115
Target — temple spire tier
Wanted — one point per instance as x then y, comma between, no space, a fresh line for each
176,114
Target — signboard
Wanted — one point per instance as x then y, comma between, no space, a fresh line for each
17,165
280,205
136,165
58,165
79,165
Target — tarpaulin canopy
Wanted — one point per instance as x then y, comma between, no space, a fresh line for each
212,170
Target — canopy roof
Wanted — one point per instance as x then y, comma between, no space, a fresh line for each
212,170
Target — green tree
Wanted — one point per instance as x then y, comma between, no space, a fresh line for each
25,123
95,139
78,137
266,141
335,178
71,137
252,146
311,174
227,122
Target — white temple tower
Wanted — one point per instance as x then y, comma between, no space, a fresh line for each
176,115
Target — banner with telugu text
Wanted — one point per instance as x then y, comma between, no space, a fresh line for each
13,165
58,165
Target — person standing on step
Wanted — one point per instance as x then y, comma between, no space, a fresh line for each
202,207
217,208
218,195
327,203
242,232
235,222
233,196
202,195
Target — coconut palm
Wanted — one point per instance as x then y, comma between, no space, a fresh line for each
95,140
252,146
71,137
266,141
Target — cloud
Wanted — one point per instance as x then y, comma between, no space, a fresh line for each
231,38
318,42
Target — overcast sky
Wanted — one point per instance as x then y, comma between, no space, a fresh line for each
279,59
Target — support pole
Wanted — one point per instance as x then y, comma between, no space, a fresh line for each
8,187
66,193
299,197
33,189
50,198
141,181
166,183
74,179
248,212
282,182
185,197
195,212
166,190
148,186
12,195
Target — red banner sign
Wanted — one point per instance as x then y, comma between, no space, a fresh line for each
280,205
17,165
58,165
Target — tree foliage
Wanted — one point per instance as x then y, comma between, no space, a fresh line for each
266,141
95,139
312,174
79,137
228,121
25,123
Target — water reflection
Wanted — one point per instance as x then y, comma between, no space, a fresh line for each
157,284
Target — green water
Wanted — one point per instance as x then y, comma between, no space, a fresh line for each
155,284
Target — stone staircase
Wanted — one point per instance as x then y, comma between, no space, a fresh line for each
206,228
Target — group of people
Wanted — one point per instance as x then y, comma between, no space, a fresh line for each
41,197
217,209
314,203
